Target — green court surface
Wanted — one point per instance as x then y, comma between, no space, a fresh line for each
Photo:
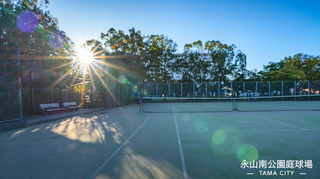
126,144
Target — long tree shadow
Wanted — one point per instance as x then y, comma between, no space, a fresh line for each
76,147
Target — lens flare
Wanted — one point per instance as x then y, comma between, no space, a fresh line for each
186,117
219,137
56,39
27,21
103,69
122,79
202,126
247,152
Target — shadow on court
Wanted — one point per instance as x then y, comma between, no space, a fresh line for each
213,145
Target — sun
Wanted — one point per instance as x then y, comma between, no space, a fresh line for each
85,56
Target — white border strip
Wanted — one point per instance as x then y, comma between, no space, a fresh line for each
185,175
105,163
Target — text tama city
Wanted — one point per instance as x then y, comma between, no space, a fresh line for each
273,173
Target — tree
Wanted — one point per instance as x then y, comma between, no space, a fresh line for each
305,66
310,65
158,56
287,73
195,66
228,63
26,26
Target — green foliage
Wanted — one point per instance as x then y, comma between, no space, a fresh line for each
158,56
298,67
224,63
32,48
287,73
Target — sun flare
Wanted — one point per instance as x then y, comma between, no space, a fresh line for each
85,56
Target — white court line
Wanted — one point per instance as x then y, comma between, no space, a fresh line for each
277,122
181,152
105,163
256,130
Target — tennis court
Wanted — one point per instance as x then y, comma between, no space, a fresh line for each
168,142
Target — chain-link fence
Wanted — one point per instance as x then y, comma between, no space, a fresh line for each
231,89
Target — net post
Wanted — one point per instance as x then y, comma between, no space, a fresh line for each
308,89
269,90
169,89
282,89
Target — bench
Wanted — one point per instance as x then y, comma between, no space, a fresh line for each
52,107
71,105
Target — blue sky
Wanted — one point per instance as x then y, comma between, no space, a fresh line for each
265,30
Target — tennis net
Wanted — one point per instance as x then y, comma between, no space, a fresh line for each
225,104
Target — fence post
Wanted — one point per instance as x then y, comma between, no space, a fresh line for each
193,92
218,90
269,90
206,91
107,98
157,89
244,87
181,89
127,94
113,94
169,89
144,89
20,90
282,89
32,98
257,88
51,95
308,89
295,90
231,91
140,103
31,92
66,95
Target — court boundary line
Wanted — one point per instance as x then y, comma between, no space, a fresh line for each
185,175
289,108
276,121
106,162
254,130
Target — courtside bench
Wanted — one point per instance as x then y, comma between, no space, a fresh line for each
51,107
71,105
